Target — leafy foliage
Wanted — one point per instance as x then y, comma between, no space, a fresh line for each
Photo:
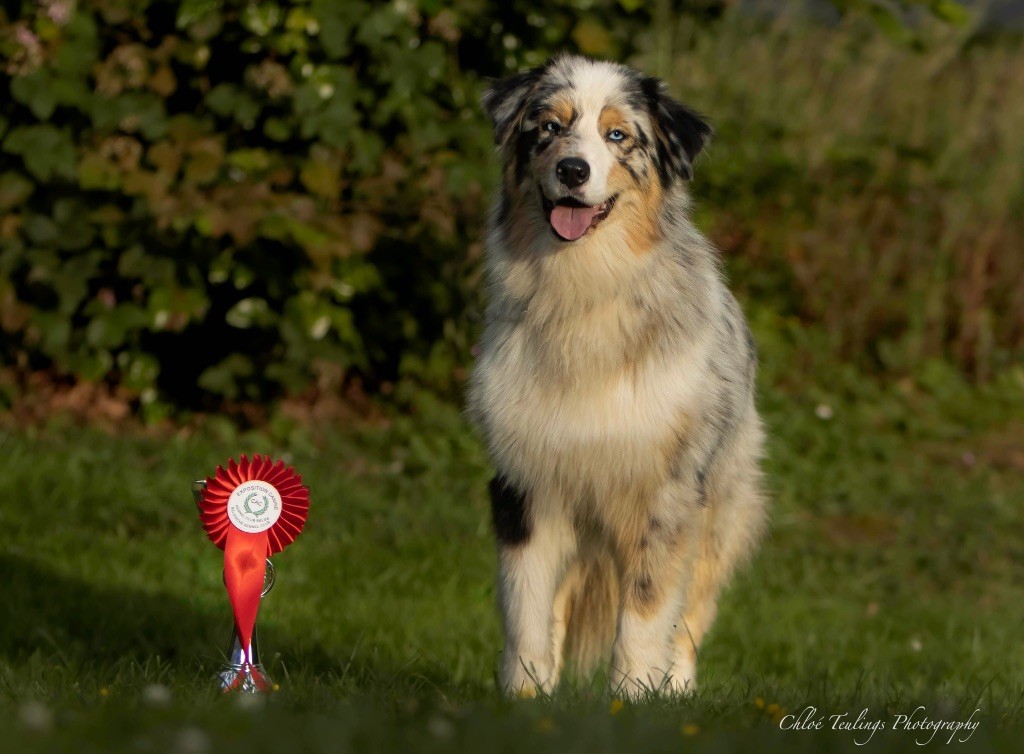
219,198
217,202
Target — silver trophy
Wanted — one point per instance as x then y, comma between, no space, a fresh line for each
242,659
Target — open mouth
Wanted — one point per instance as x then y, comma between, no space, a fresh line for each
571,219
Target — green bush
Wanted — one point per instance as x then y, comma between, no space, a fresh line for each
215,200
208,203
228,201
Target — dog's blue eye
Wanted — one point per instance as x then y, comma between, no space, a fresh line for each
551,127
617,135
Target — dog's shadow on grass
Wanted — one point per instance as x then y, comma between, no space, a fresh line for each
73,623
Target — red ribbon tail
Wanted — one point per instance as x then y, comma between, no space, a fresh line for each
260,681
245,558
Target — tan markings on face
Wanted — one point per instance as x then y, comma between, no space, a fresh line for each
612,118
640,194
560,108
634,182
639,207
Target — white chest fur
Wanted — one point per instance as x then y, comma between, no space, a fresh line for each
577,413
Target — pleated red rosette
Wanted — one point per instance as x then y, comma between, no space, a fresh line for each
252,510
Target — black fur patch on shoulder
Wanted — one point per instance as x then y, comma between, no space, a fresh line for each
509,512
681,132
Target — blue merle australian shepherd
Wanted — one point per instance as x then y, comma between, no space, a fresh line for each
615,385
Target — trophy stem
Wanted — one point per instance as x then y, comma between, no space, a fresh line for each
243,670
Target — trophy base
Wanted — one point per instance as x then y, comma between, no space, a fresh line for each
245,679
243,672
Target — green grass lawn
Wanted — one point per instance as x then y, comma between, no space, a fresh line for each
891,578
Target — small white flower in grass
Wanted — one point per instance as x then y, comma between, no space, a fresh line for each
156,695
192,741
916,644
823,411
36,716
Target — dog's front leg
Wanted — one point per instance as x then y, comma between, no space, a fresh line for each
534,544
652,563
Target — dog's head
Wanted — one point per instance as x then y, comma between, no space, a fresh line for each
583,138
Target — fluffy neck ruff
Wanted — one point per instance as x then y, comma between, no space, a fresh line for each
610,304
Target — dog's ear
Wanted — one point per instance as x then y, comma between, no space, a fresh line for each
681,132
505,99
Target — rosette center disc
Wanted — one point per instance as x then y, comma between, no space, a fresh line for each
254,506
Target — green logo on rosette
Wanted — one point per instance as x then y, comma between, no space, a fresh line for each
262,504
254,506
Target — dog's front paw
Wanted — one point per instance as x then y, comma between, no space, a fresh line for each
683,679
524,678
637,684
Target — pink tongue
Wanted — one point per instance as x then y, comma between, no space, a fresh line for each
572,222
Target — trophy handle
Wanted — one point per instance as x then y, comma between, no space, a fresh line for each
239,658
197,492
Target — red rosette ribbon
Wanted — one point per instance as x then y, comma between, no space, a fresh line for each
251,510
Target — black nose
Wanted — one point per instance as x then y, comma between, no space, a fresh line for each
572,171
